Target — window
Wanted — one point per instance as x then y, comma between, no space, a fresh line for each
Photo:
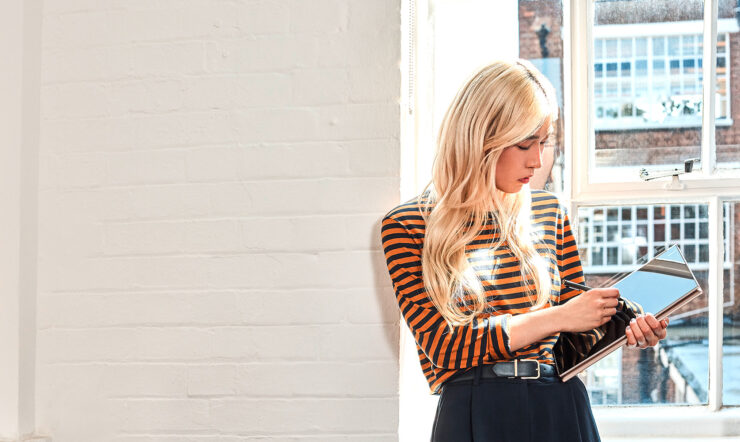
605,381
647,81
654,100
654,81
614,239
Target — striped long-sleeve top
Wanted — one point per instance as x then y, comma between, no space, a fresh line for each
443,353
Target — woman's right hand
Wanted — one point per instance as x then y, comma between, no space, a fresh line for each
589,310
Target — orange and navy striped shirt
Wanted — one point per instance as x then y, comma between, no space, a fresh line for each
486,339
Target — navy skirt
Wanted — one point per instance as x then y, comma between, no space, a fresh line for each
514,410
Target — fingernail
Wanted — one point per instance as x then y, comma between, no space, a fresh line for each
633,321
628,328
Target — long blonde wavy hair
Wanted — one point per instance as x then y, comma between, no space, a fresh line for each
501,105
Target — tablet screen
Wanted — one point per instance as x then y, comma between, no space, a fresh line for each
659,283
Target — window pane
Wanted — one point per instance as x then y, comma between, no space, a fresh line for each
658,46
731,308
728,147
642,213
659,232
689,230
676,370
641,47
627,213
657,80
611,233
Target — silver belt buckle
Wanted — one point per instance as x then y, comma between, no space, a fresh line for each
537,364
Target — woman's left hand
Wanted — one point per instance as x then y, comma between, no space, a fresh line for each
645,331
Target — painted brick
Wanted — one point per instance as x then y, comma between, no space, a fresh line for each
212,175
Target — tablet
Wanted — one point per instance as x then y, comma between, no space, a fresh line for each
661,286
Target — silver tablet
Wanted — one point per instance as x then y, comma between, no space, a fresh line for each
661,286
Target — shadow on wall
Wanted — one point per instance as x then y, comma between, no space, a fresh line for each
386,297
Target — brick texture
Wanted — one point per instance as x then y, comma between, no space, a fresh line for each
212,179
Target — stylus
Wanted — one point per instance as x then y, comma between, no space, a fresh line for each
575,285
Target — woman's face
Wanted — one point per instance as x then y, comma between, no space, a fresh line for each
517,163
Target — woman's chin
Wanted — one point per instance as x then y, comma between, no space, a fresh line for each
512,187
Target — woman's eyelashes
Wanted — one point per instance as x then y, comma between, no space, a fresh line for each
541,144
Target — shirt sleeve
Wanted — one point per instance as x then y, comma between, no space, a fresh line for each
569,265
484,339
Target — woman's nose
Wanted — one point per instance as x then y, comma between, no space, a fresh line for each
535,159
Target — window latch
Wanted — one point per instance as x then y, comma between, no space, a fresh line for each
675,183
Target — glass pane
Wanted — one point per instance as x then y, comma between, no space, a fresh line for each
611,214
676,370
731,297
611,233
651,115
728,146
642,213
659,232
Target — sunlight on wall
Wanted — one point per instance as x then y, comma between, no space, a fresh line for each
467,34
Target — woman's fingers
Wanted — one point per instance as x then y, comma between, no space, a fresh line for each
638,332
645,331
630,337
656,327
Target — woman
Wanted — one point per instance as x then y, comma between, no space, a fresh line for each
477,263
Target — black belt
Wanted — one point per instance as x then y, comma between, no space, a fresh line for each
518,369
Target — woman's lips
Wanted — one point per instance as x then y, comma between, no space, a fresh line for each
524,180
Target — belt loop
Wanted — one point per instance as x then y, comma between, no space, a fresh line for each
477,374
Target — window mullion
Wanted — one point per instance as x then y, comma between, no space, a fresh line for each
714,300
708,150
581,118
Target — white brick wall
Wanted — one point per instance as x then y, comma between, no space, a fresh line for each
212,175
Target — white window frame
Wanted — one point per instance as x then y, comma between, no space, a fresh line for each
597,187
712,186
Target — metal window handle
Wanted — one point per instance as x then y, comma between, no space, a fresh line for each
675,184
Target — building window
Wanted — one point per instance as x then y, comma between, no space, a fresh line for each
654,81
614,239
604,381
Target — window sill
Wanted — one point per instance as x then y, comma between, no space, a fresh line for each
663,423
685,124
